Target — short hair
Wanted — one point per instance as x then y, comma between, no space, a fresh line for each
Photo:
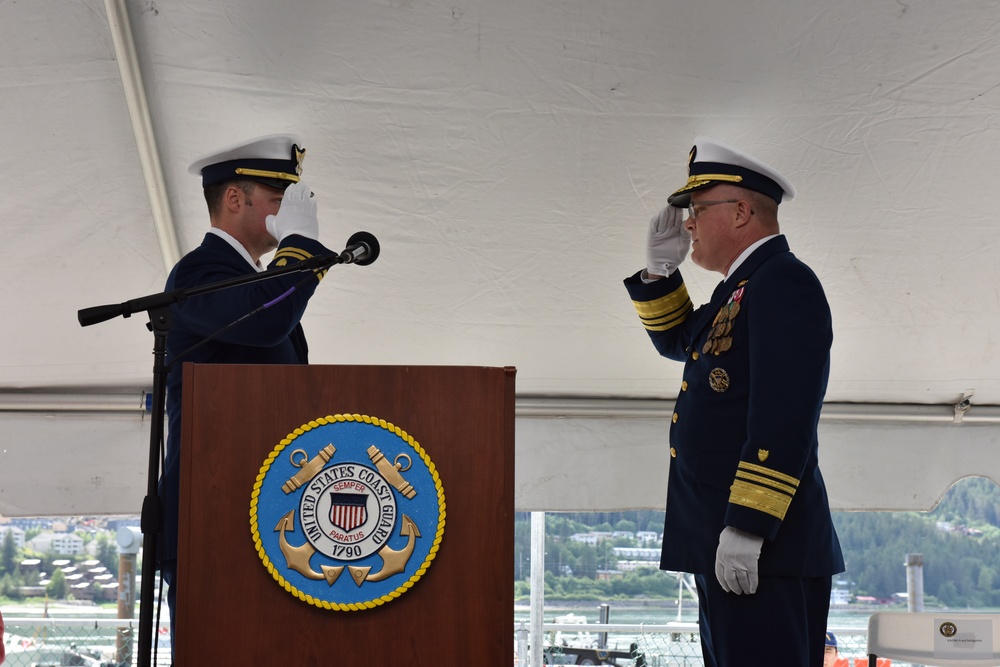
213,194
763,206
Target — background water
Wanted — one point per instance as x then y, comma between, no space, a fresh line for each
658,615
850,624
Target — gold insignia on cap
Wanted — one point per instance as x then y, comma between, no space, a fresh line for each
718,380
762,455
692,155
298,154
263,173
700,180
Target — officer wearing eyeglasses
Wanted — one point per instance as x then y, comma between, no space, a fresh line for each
747,510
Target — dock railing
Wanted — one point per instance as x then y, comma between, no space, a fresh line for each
104,642
90,642
662,645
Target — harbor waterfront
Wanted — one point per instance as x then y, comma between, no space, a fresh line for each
668,639
88,633
64,633
661,613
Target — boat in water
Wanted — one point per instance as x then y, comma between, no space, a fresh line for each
582,647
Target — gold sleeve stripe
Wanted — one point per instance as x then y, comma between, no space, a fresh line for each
753,467
665,304
755,497
764,481
667,321
666,312
296,253
299,254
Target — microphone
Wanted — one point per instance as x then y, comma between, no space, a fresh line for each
362,249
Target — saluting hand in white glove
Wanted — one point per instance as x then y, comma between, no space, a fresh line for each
297,214
736,561
668,242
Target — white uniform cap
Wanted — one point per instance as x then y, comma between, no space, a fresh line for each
712,162
275,160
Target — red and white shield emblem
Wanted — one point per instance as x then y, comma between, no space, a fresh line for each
348,510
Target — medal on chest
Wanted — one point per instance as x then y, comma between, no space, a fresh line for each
719,338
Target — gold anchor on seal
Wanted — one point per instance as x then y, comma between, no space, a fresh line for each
393,562
297,558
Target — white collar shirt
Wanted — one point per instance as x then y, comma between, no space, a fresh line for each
746,253
228,238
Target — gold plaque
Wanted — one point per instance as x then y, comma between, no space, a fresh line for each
718,380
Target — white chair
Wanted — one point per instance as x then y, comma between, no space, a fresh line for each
938,639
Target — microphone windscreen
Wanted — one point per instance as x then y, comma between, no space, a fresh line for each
370,242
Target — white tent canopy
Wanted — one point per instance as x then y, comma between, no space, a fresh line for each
508,157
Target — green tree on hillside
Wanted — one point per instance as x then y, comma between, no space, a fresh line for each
970,500
625,526
58,588
107,552
959,540
8,554
10,585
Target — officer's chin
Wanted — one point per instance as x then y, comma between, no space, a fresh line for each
696,259
702,264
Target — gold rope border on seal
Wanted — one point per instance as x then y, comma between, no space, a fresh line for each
262,554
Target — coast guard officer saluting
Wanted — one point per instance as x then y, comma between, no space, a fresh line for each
257,203
747,510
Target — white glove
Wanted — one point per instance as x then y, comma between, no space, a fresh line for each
297,214
668,241
736,561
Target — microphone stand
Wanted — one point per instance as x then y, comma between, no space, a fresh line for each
158,308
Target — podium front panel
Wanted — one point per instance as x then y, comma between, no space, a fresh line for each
231,611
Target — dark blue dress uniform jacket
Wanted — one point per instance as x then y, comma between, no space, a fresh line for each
743,441
273,336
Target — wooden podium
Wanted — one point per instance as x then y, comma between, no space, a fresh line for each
231,611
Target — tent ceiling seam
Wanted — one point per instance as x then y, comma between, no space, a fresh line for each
142,129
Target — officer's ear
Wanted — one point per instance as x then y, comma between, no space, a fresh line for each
744,212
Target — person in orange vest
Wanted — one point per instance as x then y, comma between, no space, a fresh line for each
831,656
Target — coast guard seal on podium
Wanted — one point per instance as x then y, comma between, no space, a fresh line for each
347,512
